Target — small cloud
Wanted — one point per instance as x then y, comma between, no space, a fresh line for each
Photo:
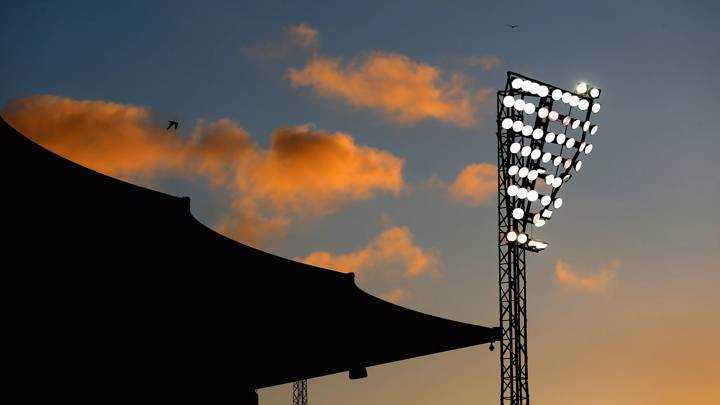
402,89
393,248
435,183
301,36
598,282
397,296
475,184
486,62
304,36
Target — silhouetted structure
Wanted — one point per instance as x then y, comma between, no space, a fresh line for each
121,297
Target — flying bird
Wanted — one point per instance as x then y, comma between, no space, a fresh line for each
172,124
512,26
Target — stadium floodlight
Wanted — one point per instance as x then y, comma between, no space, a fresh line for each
542,133
522,238
537,245
583,104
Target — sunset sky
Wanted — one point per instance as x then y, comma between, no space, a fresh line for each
360,136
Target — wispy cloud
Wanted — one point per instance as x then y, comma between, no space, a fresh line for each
402,89
486,62
598,282
394,248
397,296
304,173
475,184
304,36
301,36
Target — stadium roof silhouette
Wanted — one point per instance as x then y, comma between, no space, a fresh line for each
120,288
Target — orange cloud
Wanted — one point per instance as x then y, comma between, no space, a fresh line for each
404,90
113,138
313,171
397,295
304,173
475,184
598,282
303,35
486,62
393,247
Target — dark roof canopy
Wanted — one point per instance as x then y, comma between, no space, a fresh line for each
121,288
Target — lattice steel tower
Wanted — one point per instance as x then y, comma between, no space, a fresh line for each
300,392
539,148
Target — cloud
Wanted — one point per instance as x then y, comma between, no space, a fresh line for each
486,62
598,282
113,138
475,184
393,248
397,296
300,36
404,90
303,174
303,35
312,172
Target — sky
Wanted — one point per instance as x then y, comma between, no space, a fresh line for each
359,136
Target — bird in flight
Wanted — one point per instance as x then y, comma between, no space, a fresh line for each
172,124
512,26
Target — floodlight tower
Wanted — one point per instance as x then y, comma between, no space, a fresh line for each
300,392
540,146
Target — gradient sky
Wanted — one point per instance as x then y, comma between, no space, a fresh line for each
622,305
